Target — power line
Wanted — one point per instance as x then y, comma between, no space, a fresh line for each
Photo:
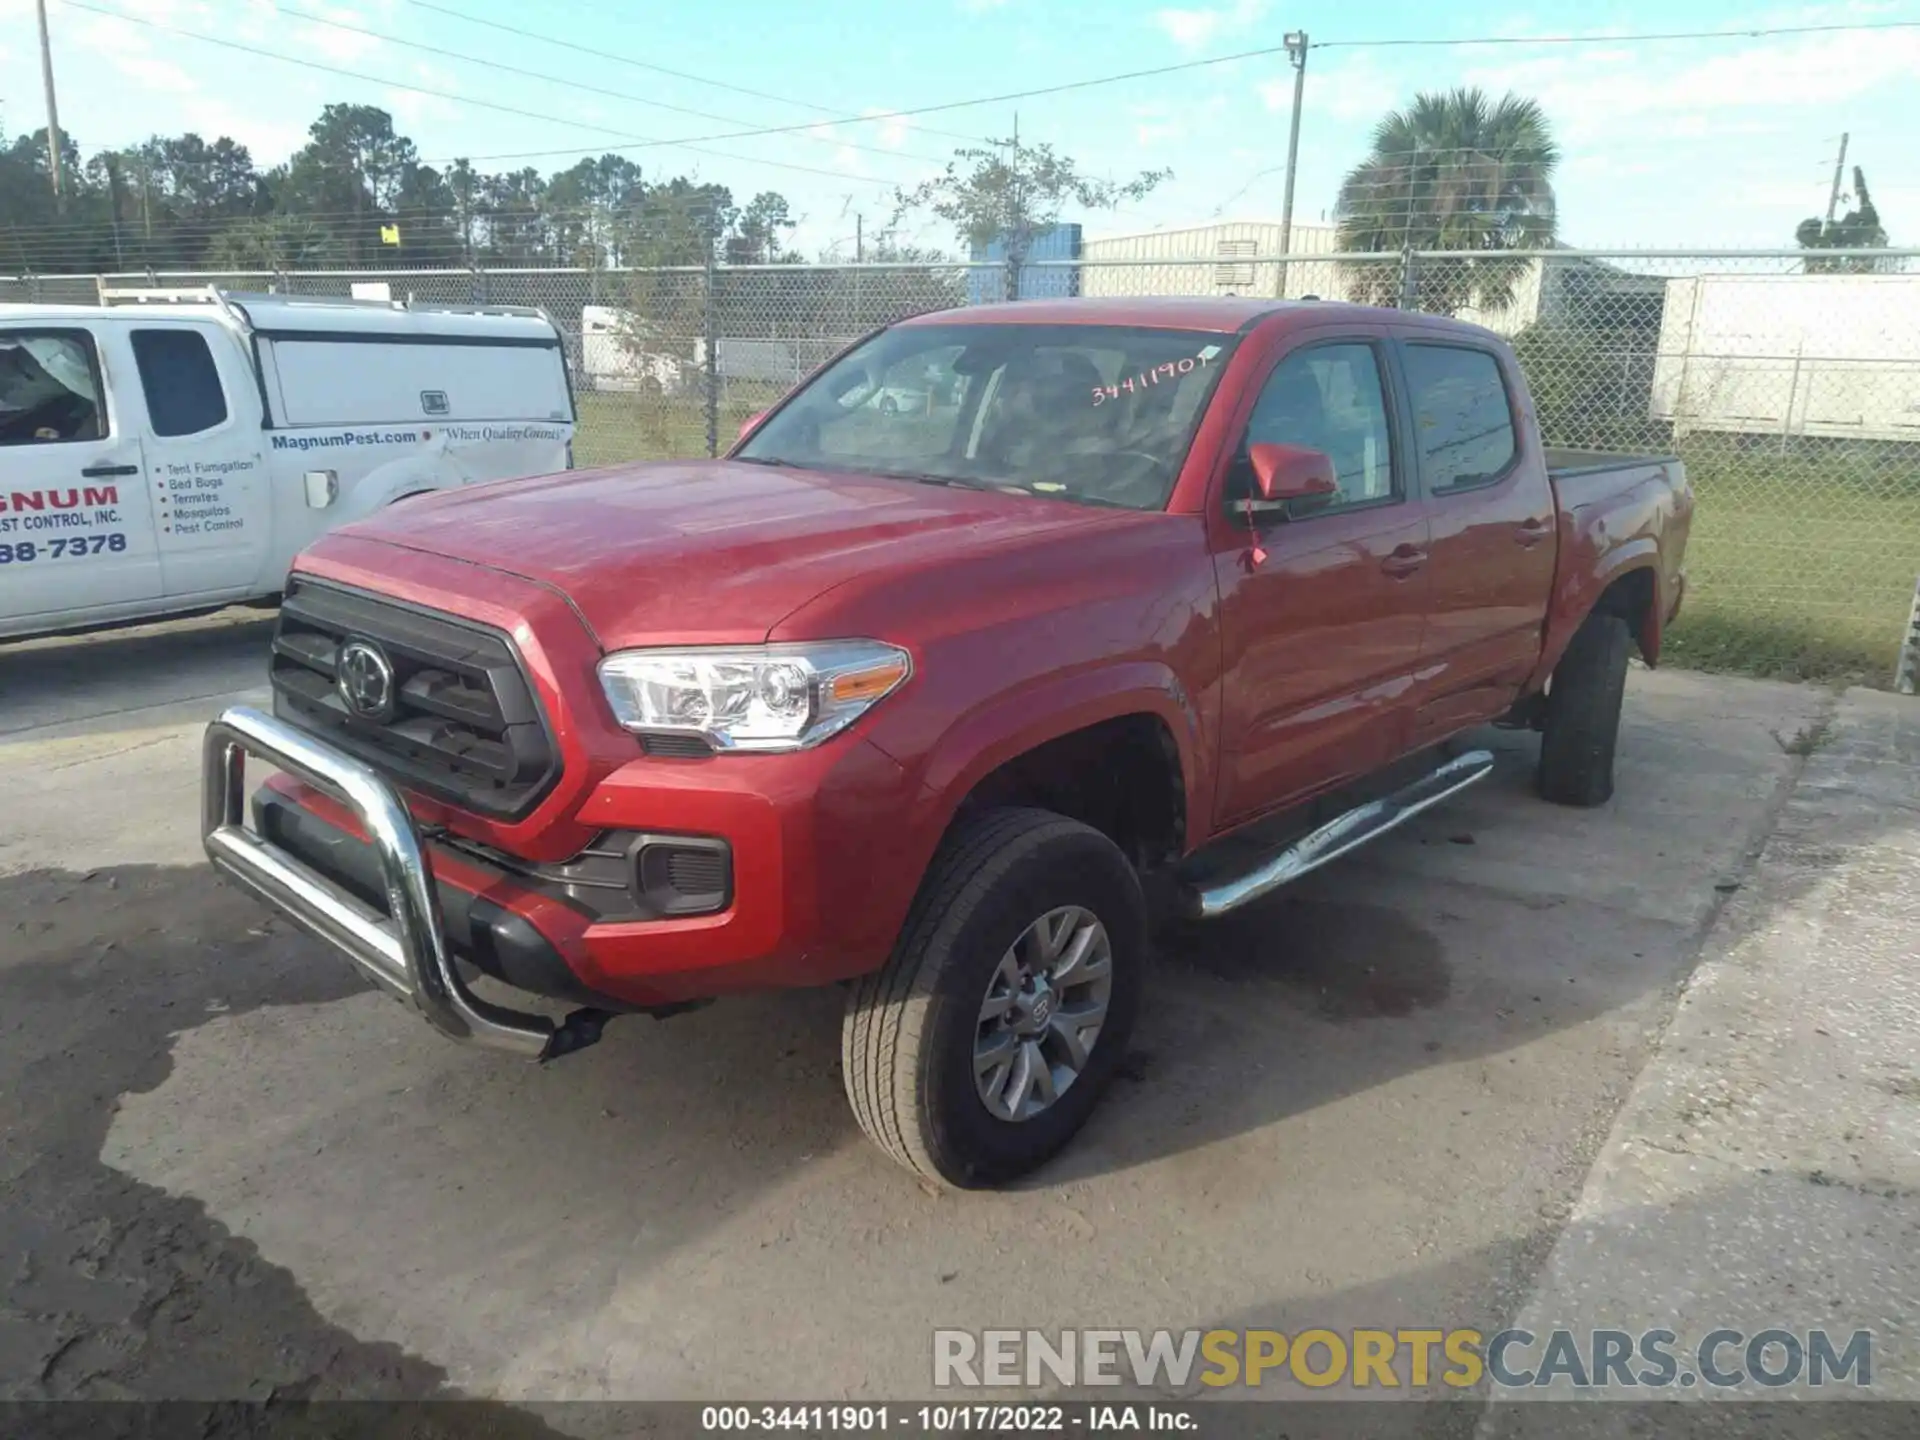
1763,32
566,81
1262,52
625,142
667,70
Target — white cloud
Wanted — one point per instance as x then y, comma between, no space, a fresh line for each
410,108
1602,96
1197,29
890,132
1359,89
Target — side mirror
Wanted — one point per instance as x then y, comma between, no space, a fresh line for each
751,424
1291,472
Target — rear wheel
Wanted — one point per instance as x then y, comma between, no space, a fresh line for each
1581,728
982,1046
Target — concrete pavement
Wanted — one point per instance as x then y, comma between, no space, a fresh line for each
1764,1171
231,1170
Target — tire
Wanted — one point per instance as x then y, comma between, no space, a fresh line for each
909,1037
1582,724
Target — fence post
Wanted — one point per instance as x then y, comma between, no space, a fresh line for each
708,325
1409,279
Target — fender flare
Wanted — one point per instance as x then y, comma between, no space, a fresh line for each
1017,721
1632,556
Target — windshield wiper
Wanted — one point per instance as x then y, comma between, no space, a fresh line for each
770,461
924,478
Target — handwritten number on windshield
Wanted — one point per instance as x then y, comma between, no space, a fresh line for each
1170,370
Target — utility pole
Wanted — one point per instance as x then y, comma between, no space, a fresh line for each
859,238
1296,43
1017,231
53,109
1832,198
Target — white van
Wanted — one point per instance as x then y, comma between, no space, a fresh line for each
173,450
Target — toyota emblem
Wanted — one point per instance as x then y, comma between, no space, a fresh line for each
364,677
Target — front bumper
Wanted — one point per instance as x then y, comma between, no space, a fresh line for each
404,951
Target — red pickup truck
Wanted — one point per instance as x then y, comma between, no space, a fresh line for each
954,669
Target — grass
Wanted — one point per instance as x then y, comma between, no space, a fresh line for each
616,429
1800,566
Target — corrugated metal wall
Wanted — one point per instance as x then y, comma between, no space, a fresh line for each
1223,256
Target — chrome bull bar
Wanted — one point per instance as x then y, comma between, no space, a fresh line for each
403,951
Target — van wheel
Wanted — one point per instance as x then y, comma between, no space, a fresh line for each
983,1044
1582,724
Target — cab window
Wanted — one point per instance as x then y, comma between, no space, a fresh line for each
1328,398
1461,415
180,380
49,388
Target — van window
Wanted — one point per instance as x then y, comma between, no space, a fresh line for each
182,384
1461,417
49,387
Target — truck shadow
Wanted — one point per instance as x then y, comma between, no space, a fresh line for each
119,1290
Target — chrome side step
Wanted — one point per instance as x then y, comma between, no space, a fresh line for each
1335,838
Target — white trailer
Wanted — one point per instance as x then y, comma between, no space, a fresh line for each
1791,355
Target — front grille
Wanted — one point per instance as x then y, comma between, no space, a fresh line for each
462,723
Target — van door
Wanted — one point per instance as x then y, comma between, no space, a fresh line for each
76,518
203,448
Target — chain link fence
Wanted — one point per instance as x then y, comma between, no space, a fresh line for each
1788,382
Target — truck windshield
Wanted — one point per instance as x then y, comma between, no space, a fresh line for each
1101,414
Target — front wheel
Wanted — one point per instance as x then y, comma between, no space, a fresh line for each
984,1043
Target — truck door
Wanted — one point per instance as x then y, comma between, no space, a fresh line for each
76,512
1492,510
1322,634
204,451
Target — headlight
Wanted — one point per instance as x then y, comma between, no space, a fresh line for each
752,697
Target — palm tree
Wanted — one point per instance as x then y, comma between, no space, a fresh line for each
1453,171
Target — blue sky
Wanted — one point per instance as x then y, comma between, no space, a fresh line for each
1723,142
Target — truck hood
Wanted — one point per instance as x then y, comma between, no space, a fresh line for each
713,552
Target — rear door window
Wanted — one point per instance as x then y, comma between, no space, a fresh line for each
1463,422
180,380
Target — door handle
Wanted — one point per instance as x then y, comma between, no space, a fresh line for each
1531,532
101,472
1404,560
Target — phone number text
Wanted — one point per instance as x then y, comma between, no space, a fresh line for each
25,552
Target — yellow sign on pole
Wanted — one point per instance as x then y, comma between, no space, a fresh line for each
389,234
